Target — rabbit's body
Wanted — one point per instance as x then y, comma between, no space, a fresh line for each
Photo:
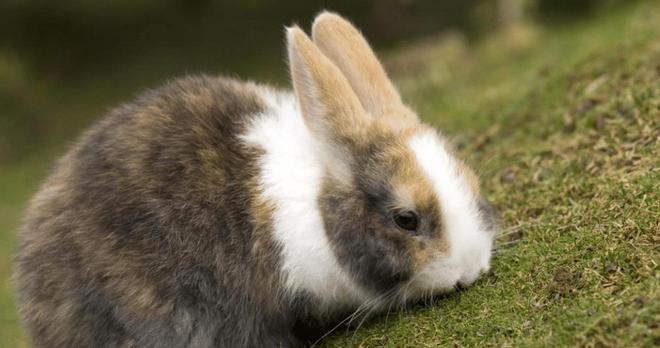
149,233
217,213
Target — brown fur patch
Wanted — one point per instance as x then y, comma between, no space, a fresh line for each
413,187
472,178
326,99
151,224
343,44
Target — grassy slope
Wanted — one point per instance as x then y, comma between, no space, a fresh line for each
570,152
565,133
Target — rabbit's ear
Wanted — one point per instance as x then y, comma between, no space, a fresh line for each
340,41
329,106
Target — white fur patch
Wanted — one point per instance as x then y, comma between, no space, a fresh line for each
469,240
291,173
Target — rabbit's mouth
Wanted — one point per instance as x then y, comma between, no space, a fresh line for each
444,275
433,280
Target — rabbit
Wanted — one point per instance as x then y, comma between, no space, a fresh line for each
212,212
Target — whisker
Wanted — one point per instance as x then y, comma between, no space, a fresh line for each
366,308
512,229
371,309
364,318
500,251
507,244
358,312
337,326
511,234
391,302
506,234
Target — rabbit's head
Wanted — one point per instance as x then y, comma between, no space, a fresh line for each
402,214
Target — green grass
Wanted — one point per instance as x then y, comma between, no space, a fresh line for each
563,125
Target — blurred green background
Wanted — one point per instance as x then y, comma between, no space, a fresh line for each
64,63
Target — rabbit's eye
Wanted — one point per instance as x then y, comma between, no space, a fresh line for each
407,220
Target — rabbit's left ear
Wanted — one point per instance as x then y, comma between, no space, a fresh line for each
329,106
340,41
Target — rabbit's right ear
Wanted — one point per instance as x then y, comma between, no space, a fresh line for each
345,46
328,104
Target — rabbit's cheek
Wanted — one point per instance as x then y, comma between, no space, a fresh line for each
376,255
425,251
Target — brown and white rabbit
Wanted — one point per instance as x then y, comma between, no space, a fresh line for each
217,213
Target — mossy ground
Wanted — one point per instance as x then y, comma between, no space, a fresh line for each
563,126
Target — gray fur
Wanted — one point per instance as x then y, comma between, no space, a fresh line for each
148,233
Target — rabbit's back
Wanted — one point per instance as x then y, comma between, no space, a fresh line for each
149,221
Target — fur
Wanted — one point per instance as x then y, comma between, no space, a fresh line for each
468,235
291,176
212,212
